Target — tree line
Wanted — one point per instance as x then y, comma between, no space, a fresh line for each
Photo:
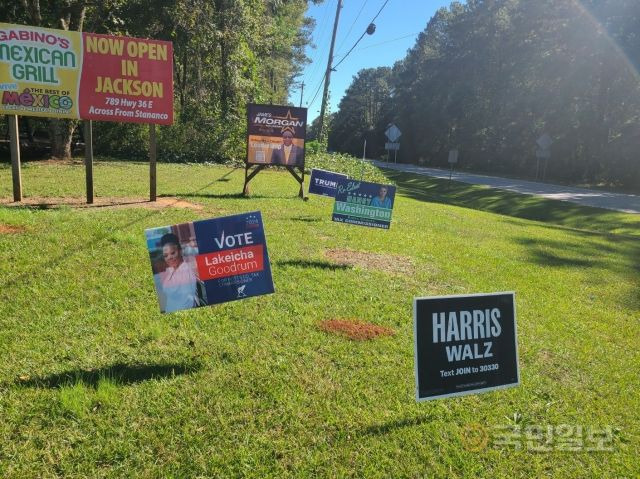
489,77
227,53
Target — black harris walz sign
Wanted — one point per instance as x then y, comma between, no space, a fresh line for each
465,344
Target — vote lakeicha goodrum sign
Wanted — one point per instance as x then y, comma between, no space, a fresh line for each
80,75
209,261
465,344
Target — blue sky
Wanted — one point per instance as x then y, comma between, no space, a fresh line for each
396,30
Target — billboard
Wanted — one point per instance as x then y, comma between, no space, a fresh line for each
465,344
324,183
209,262
365,204
77,75
276,135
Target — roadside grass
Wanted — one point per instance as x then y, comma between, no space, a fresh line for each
95,382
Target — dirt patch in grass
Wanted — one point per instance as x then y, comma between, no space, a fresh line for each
10,230
354,329
103,202
391,263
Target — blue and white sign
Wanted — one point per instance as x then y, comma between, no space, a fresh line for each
365,204
324,183
210,261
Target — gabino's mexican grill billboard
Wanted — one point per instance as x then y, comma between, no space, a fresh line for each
66,74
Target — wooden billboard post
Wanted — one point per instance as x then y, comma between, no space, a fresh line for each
299,179
88,158
249,174
14,143
152,161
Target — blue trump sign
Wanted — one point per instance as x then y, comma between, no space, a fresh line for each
210,261
324,183
365,204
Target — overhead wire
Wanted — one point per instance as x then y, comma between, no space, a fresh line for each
352,25
389,41
321,31
361,36
317,90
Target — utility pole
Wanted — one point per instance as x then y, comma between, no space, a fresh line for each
327,77
301,93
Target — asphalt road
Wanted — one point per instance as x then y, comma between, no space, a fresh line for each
581,196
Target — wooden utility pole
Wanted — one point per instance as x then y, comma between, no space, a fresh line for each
327,77
301,93
14,144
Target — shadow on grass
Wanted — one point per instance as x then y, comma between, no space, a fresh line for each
119,373
79,204
224,178
584,251
301,263
507,203
306,219
227,196
94,240
596,238
387,427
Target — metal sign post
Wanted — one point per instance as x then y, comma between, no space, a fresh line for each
364,155
453,159
393,133
543,152
389,146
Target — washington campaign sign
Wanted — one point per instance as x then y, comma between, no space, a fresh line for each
465,344
364,204
324,183
210,261
79,75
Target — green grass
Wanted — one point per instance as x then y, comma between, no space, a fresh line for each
95,382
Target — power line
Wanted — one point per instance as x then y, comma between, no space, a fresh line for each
388,41
317,91
321,31
381,8
352,25
361,36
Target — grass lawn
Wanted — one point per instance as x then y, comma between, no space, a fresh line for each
95,382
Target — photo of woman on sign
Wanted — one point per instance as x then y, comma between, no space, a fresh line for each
173,251
178,281
382,200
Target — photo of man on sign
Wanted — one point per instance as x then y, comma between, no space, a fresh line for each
289,153
276,135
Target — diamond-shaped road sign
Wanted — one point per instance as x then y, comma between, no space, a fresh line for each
544,141
393,133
